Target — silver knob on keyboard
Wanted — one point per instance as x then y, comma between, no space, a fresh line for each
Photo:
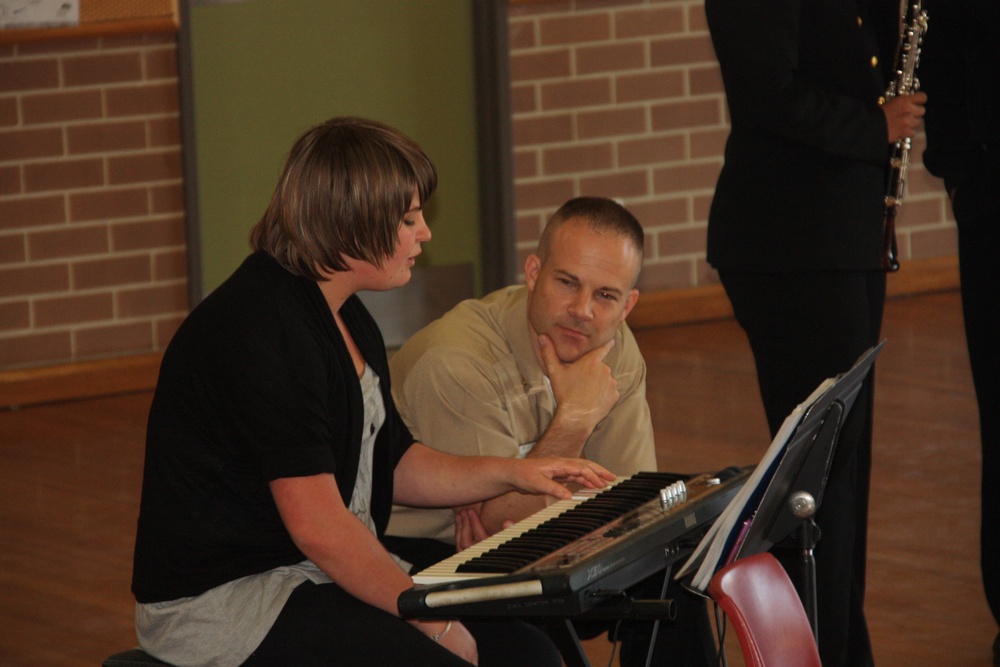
673,495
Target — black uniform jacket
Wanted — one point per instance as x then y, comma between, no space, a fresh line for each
803,183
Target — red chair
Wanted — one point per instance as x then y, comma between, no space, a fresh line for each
766,613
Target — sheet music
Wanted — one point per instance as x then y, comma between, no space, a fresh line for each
721,542
720,538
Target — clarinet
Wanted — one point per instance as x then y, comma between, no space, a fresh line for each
912,29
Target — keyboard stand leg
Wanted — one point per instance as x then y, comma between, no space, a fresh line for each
656,623
563,634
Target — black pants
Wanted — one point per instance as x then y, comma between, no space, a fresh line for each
802,329
977,212
322,625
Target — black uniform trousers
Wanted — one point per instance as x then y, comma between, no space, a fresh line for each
977,212
804,327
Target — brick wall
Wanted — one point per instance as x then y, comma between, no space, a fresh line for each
620,98
92,253
623,98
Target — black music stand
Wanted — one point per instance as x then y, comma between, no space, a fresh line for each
788,497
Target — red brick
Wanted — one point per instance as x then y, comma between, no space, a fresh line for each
63,175
928,243
160,63
101,68
681,51
617,185
117,339
10,180
21,75
685,115
67,242
167,198
674,274
522,99
610,57
74,309
659,212
164,330
527,8
917,211
544,194
143,40
32,211
708,143
15,315
575,29
611,122
24,144
576,93
521,35
705,80
577,158
919,180
542,130
529,227
29,280
544,65
686,177
148,234
13,248
35,348
649,86
156,300
144,167
650,150
649,21
587,5
683,241
697,21
700,205
164,132
8,112
124,41
58,46
108,204
143,100
170,265
113,271
525,163
62,106
106,137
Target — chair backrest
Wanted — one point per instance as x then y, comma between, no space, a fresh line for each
765,612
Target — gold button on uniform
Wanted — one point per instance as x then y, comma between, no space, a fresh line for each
874,61
859,21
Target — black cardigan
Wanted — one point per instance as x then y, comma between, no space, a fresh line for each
256,385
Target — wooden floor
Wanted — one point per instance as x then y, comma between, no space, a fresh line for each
70,475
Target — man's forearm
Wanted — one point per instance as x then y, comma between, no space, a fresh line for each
564,437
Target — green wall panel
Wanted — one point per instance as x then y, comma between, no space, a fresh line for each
264,71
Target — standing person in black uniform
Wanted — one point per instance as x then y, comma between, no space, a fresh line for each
960,67
795,231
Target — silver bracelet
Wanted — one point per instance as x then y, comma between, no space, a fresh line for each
441,634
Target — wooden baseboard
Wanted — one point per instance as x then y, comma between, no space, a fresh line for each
88,379
83,379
